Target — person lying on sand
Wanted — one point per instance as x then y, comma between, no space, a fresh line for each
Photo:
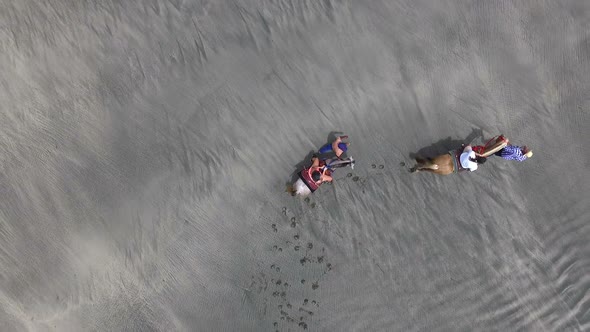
469,160
338,147
513,152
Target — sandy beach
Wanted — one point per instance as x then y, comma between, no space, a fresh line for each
146,147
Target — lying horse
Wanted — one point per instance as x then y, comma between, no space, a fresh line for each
449,163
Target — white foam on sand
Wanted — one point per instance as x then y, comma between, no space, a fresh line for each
145,151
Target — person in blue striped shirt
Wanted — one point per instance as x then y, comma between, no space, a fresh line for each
513,152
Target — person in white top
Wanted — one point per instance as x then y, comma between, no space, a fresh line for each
469,160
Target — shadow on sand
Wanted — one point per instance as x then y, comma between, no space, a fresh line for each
445,145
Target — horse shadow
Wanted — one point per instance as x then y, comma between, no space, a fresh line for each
445,145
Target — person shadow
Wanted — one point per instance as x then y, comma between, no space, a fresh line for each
306,162
445,145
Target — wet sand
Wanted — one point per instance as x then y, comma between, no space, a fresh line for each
146,147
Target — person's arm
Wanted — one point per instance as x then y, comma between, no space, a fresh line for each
315,162
326,178
335,147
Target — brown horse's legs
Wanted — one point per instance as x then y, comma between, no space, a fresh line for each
428,170
424,165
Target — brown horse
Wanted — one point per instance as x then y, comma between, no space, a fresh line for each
442,164
448,163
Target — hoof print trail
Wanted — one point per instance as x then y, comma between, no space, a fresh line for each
306,311
303,325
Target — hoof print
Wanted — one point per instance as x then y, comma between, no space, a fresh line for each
296,248
349,175
312,205
296,237
293,224
303,281
381,166
355,179
309,245
373,166
315,286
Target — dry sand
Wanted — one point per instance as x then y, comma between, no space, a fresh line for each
145,147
